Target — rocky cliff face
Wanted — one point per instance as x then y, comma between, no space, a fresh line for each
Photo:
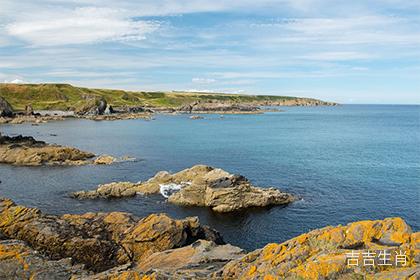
199,185
120,246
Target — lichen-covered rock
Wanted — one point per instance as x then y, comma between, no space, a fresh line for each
196,261
158,232
200,260
321,254
99,240
22,150
18,261
199,185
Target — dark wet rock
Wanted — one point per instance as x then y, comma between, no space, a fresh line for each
29,111
6,109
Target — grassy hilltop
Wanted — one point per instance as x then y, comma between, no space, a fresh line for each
68,97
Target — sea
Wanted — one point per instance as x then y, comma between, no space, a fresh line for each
345,163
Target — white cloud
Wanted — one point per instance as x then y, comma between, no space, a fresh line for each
79,26
15,81
338,56
203,80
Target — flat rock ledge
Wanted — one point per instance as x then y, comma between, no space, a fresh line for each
117,245
26,151
199,185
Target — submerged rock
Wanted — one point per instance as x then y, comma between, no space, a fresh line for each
25,150
195,117
199,185
99,240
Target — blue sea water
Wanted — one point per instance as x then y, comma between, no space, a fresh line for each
347,163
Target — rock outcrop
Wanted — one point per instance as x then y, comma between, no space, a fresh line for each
322,254
19,261
25,150
199,185
196,261
219,107
100,241
118,116
111,190
29,110
104,159
117,245
93,105
6,109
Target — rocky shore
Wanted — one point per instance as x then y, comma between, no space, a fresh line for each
56,102
199,185
119,245
26,151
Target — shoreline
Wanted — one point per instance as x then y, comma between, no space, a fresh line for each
118,245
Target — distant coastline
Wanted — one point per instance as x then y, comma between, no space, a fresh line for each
65,97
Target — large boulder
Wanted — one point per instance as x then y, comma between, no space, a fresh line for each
199,185
99,240
6,109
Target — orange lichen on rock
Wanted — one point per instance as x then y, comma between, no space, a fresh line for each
321,254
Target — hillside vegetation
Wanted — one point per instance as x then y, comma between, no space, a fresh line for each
68,97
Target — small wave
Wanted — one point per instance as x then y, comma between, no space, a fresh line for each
167,190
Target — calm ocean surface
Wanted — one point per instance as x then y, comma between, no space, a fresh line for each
347,163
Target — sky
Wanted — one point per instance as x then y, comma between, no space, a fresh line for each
359,51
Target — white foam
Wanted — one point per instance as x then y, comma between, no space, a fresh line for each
167,190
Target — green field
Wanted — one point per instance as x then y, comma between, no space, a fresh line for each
68,97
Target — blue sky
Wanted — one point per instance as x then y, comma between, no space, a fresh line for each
356,51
